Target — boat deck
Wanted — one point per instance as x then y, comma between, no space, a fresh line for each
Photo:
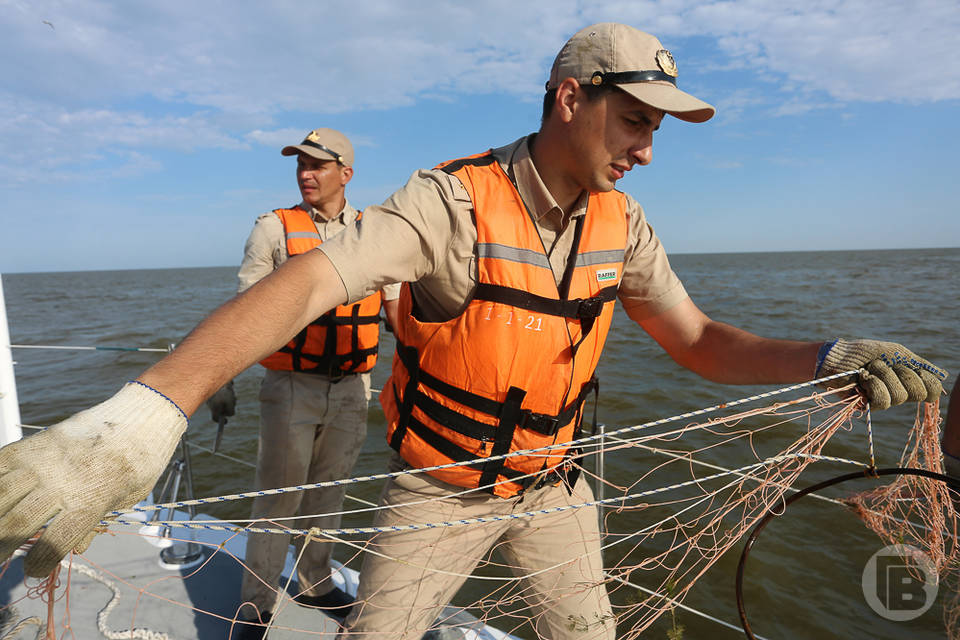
121,585
120,588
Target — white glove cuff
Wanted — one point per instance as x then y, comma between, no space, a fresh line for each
843,356
138,412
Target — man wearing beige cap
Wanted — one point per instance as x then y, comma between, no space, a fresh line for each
512,261
314,395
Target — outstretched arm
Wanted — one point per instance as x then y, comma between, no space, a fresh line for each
724,353
888,373
109,456
247,329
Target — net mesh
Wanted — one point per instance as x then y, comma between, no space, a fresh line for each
679,513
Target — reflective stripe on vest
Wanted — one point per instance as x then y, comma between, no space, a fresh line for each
513,370
343,340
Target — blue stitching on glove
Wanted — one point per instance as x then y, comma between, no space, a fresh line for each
913,363
162,396
822,354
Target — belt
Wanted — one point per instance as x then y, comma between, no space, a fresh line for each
333,374
334,378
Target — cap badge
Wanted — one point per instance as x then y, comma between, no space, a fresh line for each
313,137
666,63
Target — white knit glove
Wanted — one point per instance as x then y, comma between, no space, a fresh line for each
892,373
103,459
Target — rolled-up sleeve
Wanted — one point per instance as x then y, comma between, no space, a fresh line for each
402,240
649,284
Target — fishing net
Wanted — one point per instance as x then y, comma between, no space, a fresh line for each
919,512
659,533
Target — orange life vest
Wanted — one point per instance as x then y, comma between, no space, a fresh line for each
513,370
343,340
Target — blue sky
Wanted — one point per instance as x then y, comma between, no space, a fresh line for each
147,134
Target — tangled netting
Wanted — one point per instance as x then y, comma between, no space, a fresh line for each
919,511
679,513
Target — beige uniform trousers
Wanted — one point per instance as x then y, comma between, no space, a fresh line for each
311,430
556,556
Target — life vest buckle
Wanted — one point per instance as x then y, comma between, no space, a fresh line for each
541,423
590,307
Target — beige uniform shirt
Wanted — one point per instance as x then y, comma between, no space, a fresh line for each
424,234
266,247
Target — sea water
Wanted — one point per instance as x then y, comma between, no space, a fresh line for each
804,576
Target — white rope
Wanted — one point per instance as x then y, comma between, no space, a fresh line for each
138,633
67,348
524,452
222,525
23,624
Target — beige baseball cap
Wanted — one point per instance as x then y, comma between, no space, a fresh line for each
634,61
325,144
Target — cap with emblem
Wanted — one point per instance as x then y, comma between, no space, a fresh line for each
325,144
634,61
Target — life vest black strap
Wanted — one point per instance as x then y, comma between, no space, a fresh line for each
456,165
549,425
330,320
453,420
411,360
509,413
458,454
405,408
571,473
330,362
296,353
581,308
503,436
545,424
325,364
564,287
355,335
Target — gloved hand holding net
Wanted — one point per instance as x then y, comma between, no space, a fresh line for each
892,374
103,459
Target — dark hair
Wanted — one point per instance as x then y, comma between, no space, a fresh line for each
592,92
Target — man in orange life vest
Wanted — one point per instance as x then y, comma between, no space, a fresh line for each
314,395
513,259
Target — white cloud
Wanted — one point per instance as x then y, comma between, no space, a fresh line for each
276,137
871,50
220,74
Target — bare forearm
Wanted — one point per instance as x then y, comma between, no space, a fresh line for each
724,353
246,329
732,356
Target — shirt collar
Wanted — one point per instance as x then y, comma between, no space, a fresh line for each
347,215
517,162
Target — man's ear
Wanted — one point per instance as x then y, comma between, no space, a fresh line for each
345,174
568,93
